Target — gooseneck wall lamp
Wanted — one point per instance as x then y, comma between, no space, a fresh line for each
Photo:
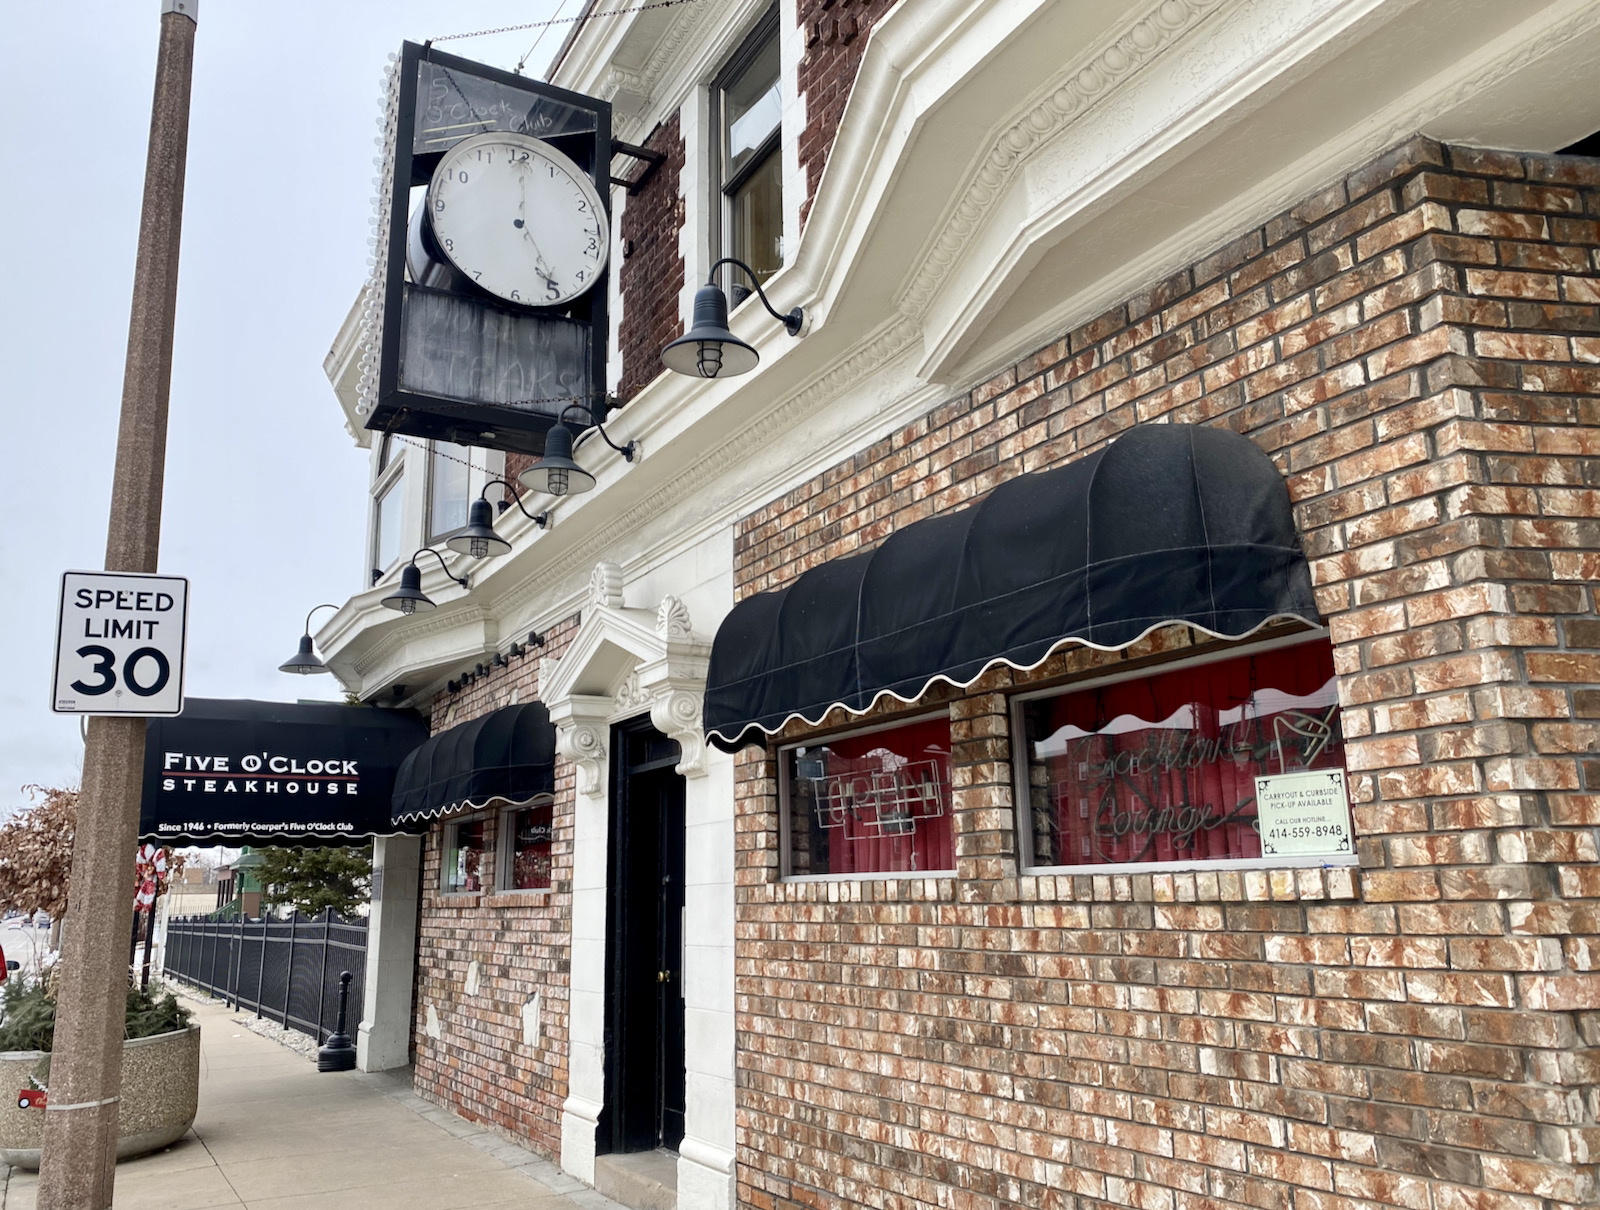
709,349
556,473
478,539
409,597
305,661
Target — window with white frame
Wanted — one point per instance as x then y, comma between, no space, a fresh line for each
875,801
1199,762
748,102
449,491
525,836
462,863
388,505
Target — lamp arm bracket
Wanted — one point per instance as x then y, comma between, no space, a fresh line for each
792,322
652,161
443,566
313,610
627,451
509,498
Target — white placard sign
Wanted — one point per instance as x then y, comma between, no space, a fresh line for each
119,644
1304,814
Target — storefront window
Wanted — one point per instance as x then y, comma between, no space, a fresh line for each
1164,767
526,860
462,867
871,803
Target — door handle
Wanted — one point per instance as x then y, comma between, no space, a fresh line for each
663,976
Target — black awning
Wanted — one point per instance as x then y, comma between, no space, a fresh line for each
304,773
1170,523
508,756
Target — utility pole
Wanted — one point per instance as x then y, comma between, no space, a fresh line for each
80,1127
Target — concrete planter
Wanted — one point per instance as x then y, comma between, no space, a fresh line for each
160,1093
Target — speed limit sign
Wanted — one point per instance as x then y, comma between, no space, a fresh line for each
119,644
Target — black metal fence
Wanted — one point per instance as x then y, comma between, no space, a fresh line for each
284,970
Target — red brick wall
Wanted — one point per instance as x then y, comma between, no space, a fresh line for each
835,37
651,274
1418,348
479,1066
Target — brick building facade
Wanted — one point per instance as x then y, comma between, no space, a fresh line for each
1018,232
518,944
1417,348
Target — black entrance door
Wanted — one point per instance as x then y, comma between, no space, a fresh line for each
644,945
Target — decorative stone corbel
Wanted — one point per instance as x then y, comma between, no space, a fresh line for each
581,735
676,714
585,746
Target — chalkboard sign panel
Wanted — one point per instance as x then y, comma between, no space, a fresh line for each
453,104
463,348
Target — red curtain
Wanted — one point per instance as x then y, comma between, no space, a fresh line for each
1182,792
883,803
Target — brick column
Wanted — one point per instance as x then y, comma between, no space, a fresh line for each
980,777
1457,535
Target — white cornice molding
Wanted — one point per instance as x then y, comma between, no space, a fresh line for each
1552,29
413,632
902,74
697,39
1491,66
342,368
558,587
1086,82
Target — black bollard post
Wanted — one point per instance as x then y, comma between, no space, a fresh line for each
338,1053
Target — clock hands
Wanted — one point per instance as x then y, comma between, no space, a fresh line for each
539,265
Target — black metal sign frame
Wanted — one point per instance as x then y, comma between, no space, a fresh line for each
487,425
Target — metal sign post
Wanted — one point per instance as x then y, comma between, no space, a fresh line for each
79,1161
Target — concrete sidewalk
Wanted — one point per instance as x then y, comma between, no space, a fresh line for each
274,1134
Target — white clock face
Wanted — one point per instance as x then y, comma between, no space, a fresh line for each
518,218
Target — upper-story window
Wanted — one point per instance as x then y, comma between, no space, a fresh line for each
749,106
388,505
448,489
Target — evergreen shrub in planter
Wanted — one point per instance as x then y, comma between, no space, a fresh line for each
160,1071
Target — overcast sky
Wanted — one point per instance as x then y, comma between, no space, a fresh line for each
265,498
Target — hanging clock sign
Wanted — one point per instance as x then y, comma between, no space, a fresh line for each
488,307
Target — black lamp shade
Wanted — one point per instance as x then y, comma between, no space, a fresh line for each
304,661
709,349
478,539
556,473
409,597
